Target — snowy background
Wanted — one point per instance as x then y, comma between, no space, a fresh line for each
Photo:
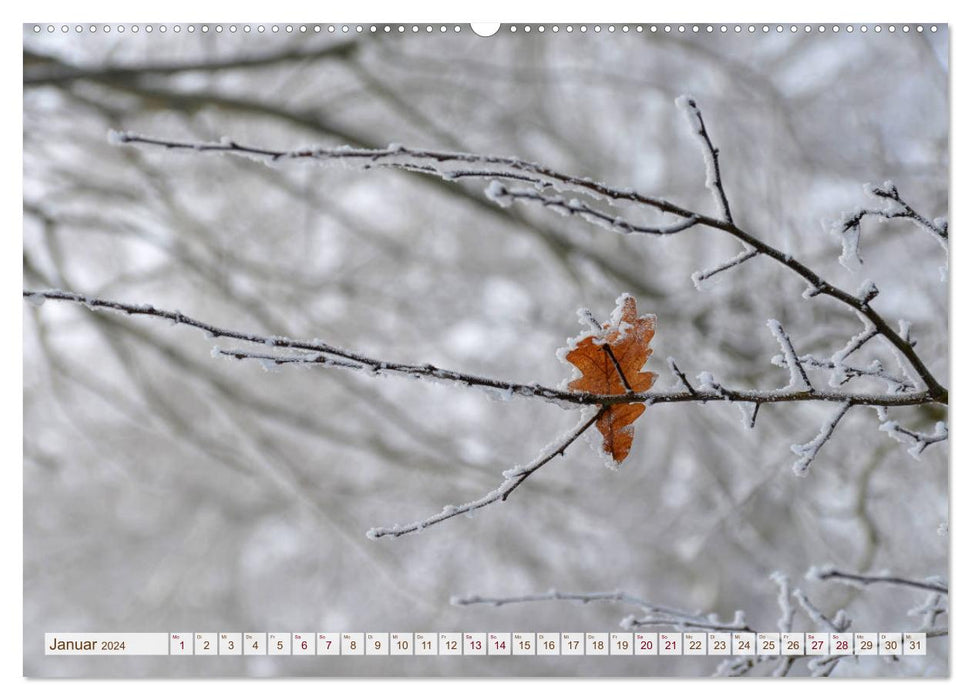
167,490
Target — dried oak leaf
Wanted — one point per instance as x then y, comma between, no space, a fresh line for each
606,358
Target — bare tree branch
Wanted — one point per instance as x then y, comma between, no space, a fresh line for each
798,379
844,373
657,615
867,580
898,209
703,275
713,180
661,616
807,452
838,623
323,354
505,196
681,377
918,441
513,478
930,610
449,165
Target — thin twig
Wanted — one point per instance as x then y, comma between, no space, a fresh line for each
855,343
504,196
807,452
702,275
888,191
681,376
714,177
862,579
797,373
499,387
785,605
919,441
666,616
678,619
443,164
513,478
933,607
840,623
845,373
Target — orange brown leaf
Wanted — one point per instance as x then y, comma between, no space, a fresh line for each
611,362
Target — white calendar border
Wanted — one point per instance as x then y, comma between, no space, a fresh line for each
11,646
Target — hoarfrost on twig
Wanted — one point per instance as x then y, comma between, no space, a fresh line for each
785,603
798,379
918,441
713,180
850,223
654,615
861,581
807,452
672,365
452,166
840,375
935,605
701,276
868,291
839,623
850,257
749,411
512,478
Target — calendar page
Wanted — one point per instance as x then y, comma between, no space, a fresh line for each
451,350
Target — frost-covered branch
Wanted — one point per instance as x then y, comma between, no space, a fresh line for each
842,373
323,354
449,166
784,600
270,361
458,166
706,380
681,377
320,353
788,614
537,184
825,574
505,196
839,623
654,615
713,178
896,208
807,452
512,478
703,275
798,379
930,610
917,440
857,342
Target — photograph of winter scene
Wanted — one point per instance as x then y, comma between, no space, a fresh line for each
569,329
